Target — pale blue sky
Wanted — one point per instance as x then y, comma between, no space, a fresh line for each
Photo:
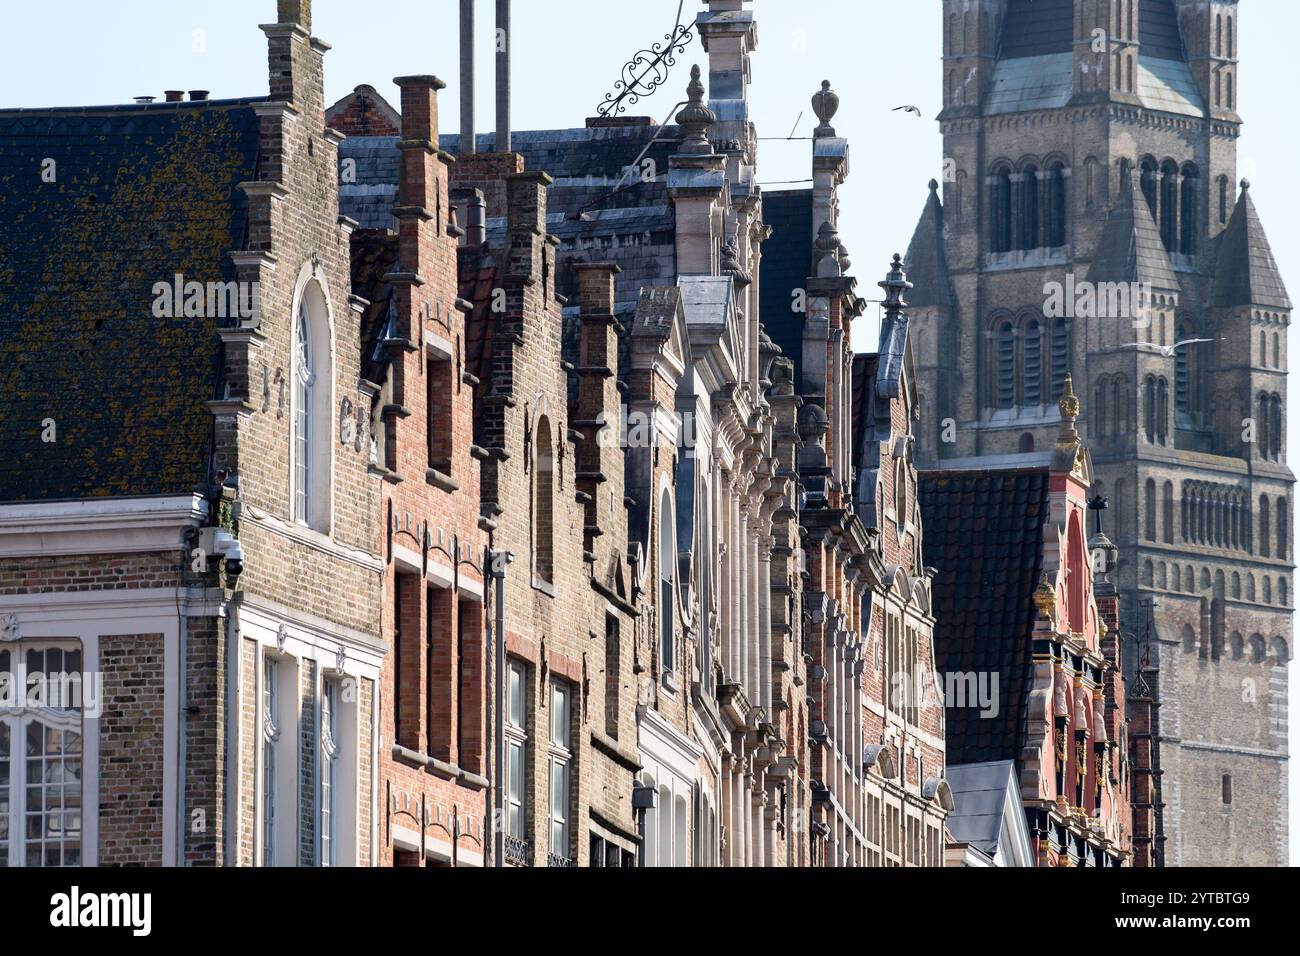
877,54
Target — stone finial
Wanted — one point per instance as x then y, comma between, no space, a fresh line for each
1045,598
695,118
895,285
295,11
845,262
731,262
826,103
828,251
1069,401
1245,185
934,186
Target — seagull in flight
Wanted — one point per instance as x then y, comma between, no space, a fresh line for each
907,109
1168,350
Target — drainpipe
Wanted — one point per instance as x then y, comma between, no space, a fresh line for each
497,561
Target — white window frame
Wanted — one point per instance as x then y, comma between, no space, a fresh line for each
516,734
270,726
278,784
560,759
330,758
16,718
304,381
311,375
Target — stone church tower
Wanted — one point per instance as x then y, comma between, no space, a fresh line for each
1091,224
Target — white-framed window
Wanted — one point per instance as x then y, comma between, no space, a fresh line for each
516,734
667,577
311,421
270,756
41,754
561,760
329,772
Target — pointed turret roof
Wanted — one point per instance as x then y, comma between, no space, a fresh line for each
1131,249
1246,273
927,260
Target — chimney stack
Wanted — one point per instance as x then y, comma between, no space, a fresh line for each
503,41
175,96
295,11
145,100
467,145
198,96
474,217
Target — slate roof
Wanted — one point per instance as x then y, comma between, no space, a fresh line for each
864,379
984,535
979,793
374,255
1130,248
927,262
1159,36
786,266
1037,27
143,192
1246,272
477,278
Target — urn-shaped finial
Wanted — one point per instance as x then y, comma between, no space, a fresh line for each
826,103
695,118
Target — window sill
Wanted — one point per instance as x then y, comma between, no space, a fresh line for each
669,681
440,479
546,587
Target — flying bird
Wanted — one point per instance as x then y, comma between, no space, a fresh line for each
907,109
1168,350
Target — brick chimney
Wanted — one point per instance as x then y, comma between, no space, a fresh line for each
598,398
296,59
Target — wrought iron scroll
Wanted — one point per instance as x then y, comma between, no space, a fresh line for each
648,70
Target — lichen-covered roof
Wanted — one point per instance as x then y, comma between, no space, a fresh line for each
138,195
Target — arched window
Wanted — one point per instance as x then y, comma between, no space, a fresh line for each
1169,512
1281,653
1264,527
1060,356
1237,645
1149,401
544,503
1005,388
1001,208
312,387
1033,362
1191,199
1258,650
1263,349
1282,594
1178,578
1149,185
1148,574
1250,587
1263,419
1182,374
1268,590
1030,233
667,577
665,826
1150,520
1162,411
1277,351
1227,789
1232,40
1283,528
1223,199
1169,205
1236,588
1056,205
1218,35
1275,427
1231,92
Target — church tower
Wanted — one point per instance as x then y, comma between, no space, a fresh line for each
1090,223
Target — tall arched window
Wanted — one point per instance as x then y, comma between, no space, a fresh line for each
1001,208
1149,410
1030,233
1218,35
1149,185
1033,362
544,503
1150,514
1283,528
1189,219
1056,205
1005,359
1263,419
1060,356
310,447
1162,411
1264,527
1168,512
1182,375
1231,97
1275,427
1223,199
1169,205
667,576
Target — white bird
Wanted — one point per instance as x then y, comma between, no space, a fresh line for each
1167,350
907,109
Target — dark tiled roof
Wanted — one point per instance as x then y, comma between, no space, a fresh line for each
1037,28
984,535
142,193
864,380
927,261
1130,249
1246,273
477,279
786,266
374,254
1158,31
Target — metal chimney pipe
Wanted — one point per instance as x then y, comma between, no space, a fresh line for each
467,146
503,41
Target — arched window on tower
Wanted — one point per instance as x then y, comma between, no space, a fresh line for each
1231,93
1101,426
1232,39
1033,362
1162,411
1188,216
1283,528
1005,366
1168,512
1030,219
1060,356
1275,427
1182,375
1149,520
1223,199
1001,205
1149,408
1149,185
1056,205
1218,35
1169,205
1265,529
